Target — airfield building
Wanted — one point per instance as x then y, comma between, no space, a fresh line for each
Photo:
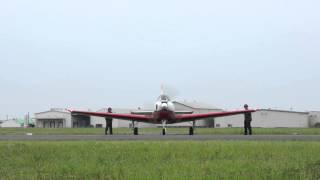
60,118
12,123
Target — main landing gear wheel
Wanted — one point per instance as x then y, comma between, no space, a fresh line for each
135,131
191,131
163,131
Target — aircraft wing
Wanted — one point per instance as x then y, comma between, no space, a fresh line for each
139,118
192,117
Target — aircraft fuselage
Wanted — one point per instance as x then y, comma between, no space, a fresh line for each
164,110
164,115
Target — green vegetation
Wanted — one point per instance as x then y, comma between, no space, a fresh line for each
160,160
100,131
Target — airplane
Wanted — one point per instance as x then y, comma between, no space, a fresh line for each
164,113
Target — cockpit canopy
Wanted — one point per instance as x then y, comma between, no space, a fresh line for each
164,98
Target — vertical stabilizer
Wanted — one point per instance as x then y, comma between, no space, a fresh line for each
162,89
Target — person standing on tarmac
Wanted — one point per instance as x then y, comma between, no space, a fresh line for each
247,121
109,123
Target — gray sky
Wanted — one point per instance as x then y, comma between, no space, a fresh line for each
93,54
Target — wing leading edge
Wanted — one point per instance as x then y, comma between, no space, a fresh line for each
140,118
192,117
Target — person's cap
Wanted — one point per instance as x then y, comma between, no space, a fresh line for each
246,105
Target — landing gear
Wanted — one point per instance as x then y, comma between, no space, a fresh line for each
164,131
135,129
191,129
164,122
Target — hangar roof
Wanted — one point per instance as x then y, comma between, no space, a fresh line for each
61,110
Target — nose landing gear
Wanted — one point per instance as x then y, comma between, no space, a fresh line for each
164,131
164,122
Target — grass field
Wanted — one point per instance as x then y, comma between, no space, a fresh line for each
100,131
160,160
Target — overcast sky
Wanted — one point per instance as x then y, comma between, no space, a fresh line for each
97,53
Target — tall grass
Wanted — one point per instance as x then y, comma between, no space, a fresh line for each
208,131
160,160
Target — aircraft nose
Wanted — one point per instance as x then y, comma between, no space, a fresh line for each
164,106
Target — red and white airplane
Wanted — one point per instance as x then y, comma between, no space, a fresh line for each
164,113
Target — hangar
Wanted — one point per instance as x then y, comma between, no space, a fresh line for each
12,123
60,118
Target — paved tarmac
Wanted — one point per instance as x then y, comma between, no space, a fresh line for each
159,138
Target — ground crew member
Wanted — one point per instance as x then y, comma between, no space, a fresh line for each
247,121
109,123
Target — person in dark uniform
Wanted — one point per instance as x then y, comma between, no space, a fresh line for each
109,123
247,121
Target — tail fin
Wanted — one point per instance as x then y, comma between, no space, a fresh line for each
162,89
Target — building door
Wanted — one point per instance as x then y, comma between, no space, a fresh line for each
52,124
60,124
46,124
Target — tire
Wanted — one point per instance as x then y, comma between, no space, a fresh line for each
191,131
163,131
135,131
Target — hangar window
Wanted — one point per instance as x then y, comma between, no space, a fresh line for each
217,125
45,124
